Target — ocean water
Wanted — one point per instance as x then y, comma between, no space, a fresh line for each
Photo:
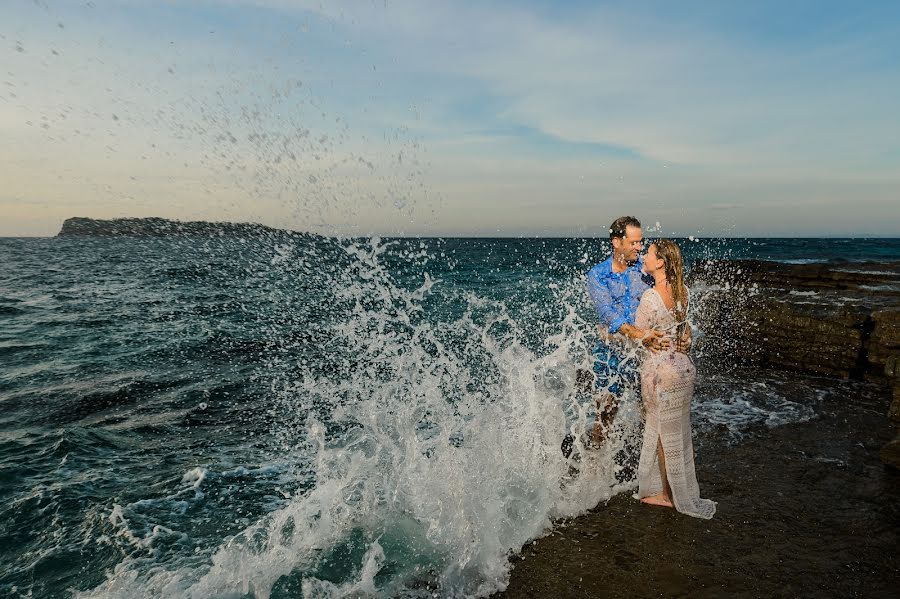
285,417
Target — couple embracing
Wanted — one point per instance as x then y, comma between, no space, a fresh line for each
642,302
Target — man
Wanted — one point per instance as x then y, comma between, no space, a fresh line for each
615,286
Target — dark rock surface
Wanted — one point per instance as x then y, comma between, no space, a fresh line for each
846,276
832,319
804,510
890,453
161,227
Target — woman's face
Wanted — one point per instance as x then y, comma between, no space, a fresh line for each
652,263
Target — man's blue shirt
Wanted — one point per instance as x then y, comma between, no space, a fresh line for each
616,295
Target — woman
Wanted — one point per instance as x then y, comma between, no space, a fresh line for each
666,469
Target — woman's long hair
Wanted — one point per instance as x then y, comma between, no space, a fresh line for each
669,252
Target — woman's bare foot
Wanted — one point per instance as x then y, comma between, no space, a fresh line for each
659,499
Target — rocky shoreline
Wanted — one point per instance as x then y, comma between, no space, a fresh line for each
808,509
804,510
833,319
840,320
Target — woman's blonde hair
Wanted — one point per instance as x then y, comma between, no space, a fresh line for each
669,252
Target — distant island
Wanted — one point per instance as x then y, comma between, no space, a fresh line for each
163,227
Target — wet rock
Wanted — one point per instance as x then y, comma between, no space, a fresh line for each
828,319
884,344
870,277
890,453
804,510
894,410
892,372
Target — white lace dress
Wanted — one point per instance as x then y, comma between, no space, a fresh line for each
667,386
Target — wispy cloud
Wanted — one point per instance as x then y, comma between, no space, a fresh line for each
456,116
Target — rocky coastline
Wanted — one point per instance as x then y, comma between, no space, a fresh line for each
804,510
832,319
840,320
807,509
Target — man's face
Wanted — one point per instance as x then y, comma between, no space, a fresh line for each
628,248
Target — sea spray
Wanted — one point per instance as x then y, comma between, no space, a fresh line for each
430,437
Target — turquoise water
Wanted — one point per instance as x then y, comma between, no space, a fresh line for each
284,417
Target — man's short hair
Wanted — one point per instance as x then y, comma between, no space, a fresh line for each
617,229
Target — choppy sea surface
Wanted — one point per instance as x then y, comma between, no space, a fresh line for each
285,417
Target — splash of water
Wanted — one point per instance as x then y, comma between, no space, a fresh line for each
431,433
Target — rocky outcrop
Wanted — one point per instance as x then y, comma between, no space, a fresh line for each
827,319
840,320
882,278
161,227
892,369
763,330
884,343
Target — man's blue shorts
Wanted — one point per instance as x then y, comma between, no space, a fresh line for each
614,371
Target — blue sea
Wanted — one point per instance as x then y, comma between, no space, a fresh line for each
281,416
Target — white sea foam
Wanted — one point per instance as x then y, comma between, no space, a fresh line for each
862,271
894,287
737,406
441,455
803,261
195,477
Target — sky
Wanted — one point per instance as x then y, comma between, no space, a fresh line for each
460,118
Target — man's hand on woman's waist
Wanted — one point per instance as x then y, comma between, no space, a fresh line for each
650,338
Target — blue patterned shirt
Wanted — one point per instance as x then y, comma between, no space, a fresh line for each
616,295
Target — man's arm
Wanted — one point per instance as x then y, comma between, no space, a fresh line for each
651,339
615,323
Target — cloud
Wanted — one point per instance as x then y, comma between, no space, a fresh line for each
678,95
471,116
